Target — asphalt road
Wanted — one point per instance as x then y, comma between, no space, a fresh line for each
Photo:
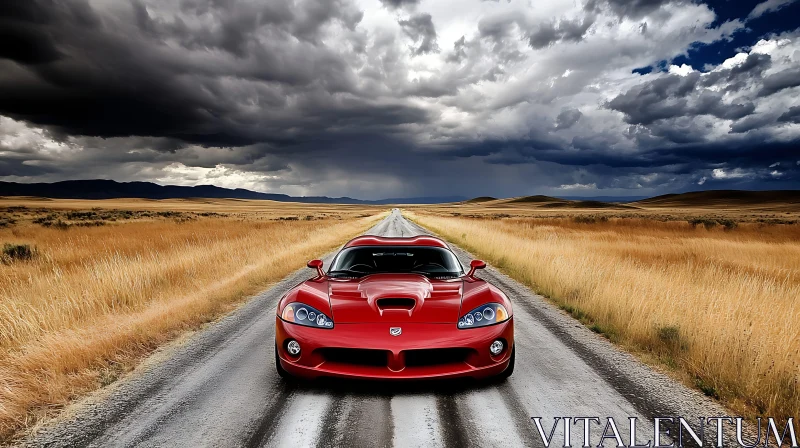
220,389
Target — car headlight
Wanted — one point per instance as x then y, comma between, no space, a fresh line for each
302,314
483,316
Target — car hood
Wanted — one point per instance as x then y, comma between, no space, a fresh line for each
395,298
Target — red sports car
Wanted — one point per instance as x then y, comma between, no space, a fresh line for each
394,308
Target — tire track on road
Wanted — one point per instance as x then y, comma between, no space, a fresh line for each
451,422
265,426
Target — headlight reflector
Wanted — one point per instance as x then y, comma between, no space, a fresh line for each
483,316
302,314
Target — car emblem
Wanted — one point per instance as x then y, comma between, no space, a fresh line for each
395,331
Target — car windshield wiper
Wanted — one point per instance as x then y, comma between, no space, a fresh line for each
361,273
347,272
435,274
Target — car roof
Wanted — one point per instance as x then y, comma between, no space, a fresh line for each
419,240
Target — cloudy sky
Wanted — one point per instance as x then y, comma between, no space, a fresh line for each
400,98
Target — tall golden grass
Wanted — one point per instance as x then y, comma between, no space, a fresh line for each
94,300
720,308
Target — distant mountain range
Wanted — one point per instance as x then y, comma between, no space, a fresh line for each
775,200
605,198
724,198
109,189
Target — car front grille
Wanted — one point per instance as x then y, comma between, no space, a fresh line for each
435,356
380,358
356,356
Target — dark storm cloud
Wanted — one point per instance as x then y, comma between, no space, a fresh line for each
593,153
536,150
752,122
395,4
82,71
304,92
564,30
432,88
20,42
497,28
240,19
781,80
12,167
420,29
679,130
664,107
737,77
746,153
502,32
634,9
664,97
791,116
672,96
459,51
567,118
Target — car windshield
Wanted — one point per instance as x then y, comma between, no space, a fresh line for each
364,260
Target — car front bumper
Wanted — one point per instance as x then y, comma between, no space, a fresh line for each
414,354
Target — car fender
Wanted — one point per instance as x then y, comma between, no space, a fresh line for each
479,292
311,293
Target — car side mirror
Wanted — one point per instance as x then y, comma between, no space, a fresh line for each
474,265
316,264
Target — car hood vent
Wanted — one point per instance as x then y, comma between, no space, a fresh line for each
395,298
390,303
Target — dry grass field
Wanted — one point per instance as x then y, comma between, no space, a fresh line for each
706,289
88,288
709,293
